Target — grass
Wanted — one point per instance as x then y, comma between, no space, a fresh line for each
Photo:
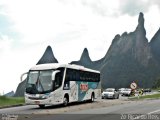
153,96
7,101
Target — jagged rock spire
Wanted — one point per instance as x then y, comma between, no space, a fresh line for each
140,26
48,57
84,60
141,19
85,56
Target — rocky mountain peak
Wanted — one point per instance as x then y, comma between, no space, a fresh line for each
85,56
134,44
84,60
116,38
141,19
140,27
48,57
141,48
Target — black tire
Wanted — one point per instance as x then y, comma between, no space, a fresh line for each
114,97
65,101
42,106
92,98
117,96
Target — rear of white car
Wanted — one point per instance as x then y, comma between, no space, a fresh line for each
126,92
110,93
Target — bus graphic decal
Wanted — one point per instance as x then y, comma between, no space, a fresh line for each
83,87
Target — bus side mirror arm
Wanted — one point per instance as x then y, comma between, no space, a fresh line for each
23,75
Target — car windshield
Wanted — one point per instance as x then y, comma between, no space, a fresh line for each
127,89
109,90
39,81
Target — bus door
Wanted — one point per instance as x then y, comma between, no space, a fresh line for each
57,83
73,90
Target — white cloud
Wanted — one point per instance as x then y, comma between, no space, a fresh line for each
151,21
15,62
133,7
5,43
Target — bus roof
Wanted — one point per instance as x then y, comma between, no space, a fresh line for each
58,65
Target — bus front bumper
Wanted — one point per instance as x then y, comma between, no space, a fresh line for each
40,101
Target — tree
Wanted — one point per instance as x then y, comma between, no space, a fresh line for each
157,83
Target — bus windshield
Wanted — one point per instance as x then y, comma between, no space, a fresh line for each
39,82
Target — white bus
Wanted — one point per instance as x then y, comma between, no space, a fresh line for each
50,84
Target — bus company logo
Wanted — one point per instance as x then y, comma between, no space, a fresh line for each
84,87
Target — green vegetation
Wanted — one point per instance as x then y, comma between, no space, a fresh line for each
156,89
7,101
153,96
156,84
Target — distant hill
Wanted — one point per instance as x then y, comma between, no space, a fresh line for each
9,94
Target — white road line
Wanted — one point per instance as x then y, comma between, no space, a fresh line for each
153,112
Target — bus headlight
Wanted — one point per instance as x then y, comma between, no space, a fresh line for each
44,96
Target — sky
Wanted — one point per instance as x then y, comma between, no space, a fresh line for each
27,27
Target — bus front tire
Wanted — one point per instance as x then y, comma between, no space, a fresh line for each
42,106
92,98
65,101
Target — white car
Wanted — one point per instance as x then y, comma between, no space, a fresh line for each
126,92
121,90
110,93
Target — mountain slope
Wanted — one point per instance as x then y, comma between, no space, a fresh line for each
155,45
128,59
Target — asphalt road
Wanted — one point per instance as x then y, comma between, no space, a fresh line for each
139,110
137,107
147,109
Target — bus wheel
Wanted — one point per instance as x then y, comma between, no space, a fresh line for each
92,98
65,101
42,106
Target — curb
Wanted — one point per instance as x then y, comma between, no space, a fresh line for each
9,106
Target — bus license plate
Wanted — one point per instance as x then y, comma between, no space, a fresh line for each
37,102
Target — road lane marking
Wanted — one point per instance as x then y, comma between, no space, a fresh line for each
154,112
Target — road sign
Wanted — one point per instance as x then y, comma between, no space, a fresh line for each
133,85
